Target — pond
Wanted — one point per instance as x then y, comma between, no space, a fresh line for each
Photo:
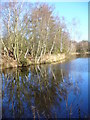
46,91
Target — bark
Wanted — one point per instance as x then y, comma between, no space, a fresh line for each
26,54
52,47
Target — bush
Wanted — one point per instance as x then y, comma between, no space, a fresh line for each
23,61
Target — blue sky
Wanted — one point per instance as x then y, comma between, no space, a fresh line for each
77,10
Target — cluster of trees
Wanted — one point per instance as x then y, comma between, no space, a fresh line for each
32,30
83,46
80,47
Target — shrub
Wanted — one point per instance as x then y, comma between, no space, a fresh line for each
23,61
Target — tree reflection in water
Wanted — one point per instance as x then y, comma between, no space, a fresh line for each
37,91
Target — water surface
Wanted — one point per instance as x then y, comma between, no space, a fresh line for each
46,91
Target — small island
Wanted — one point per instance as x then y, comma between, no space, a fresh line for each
36,36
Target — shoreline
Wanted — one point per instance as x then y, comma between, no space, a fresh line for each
7,63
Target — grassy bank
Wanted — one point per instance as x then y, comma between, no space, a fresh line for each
8,62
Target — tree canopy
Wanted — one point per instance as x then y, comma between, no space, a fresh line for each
32,30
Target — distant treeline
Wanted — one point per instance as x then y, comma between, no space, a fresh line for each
33,30
81,47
